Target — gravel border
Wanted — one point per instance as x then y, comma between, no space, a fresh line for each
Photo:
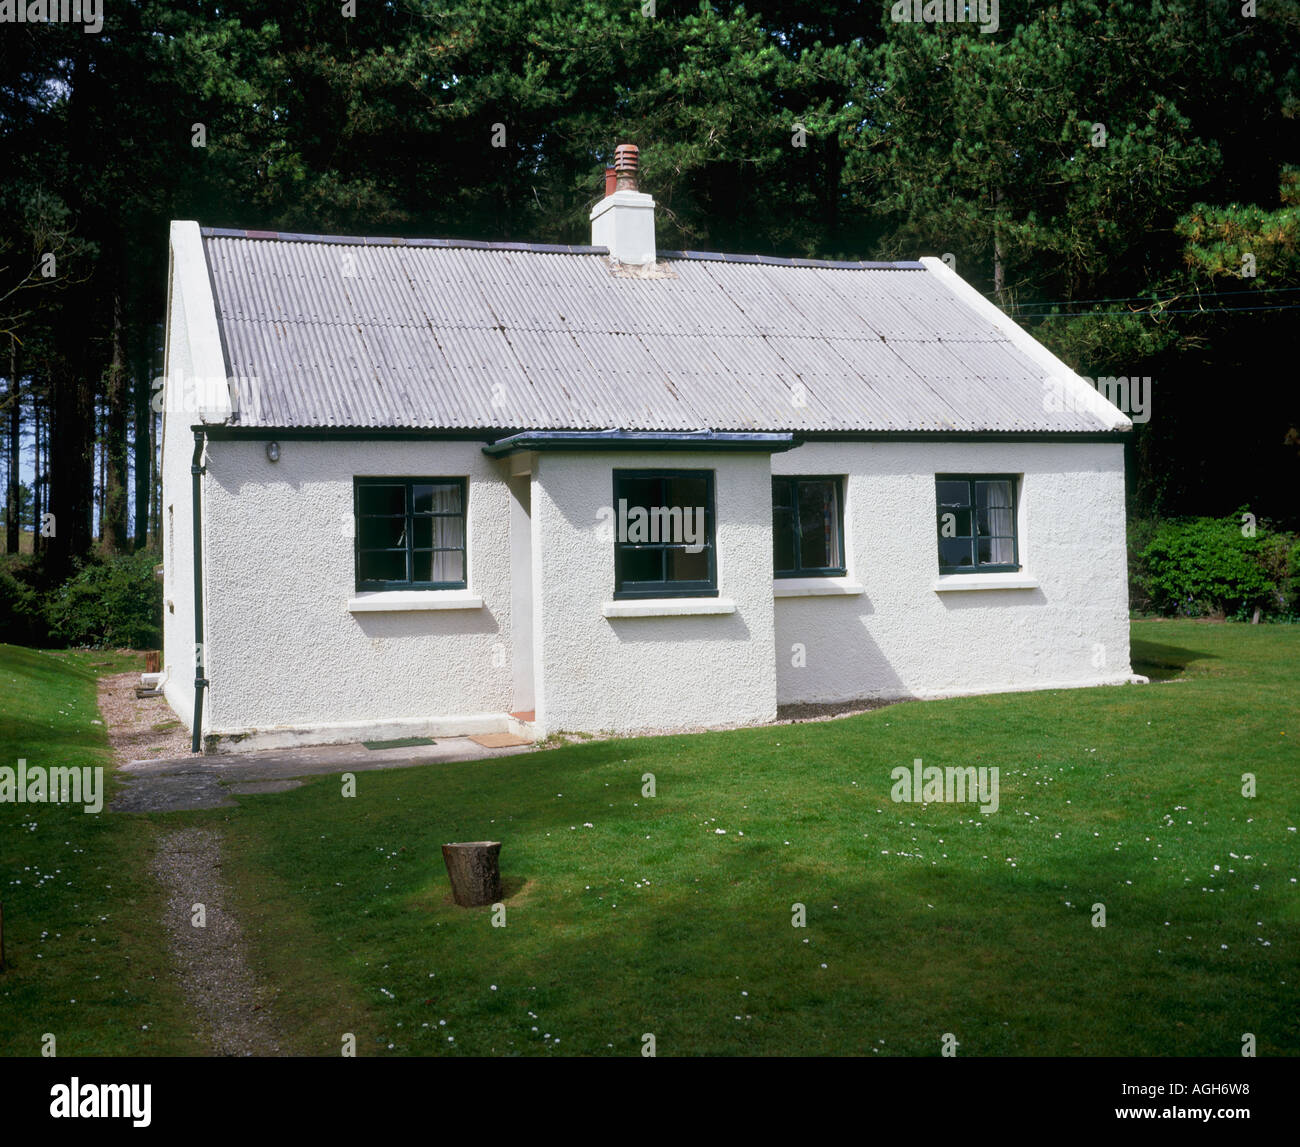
793,714
139,728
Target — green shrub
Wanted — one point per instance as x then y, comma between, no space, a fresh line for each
1291,589
109,603
22,620
1195,566
1140,533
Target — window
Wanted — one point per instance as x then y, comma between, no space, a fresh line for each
807,527
663,540
977,523
410,533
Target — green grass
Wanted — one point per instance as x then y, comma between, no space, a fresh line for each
927,920
83,943
629,914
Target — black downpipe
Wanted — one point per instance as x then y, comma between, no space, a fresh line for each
200,678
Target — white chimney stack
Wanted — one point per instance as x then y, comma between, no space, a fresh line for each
624,221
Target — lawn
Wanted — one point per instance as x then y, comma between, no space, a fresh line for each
84,946
672,915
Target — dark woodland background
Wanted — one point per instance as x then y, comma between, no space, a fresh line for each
1132,258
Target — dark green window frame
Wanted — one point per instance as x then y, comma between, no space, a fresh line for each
792,482
628,589
409,515
968,505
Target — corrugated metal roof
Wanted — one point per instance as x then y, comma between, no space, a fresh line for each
449,335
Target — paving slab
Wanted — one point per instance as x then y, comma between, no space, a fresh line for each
190,788
182,783
499,740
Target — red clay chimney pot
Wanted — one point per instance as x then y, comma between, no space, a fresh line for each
626,158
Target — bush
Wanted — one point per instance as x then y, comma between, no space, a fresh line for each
1141,531
109,603
22,620
1195,566
1291,589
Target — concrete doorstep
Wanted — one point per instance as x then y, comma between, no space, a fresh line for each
184,783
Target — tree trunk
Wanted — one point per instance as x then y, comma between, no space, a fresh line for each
12,506
100,457
38,502
475,872
72,441
142,452
113,511
72,383
999,265
155,465
5,468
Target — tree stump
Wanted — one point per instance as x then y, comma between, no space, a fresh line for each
475,871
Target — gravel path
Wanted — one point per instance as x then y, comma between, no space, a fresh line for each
139,728
230,1006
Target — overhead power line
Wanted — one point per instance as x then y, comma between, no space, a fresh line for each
1153,299
1152,313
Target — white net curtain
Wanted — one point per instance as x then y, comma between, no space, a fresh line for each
995,523
438,520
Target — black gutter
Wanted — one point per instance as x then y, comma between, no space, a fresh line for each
224,432
200,678
218,432
1055,436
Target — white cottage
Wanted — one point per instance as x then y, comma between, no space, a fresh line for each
422,487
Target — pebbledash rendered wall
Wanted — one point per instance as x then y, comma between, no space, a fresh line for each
288,652
193,351
288,648
669,669
903,631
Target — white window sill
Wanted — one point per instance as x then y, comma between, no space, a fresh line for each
384,601
948,582
669,607
815,587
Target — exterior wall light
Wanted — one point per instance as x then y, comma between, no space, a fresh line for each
273,452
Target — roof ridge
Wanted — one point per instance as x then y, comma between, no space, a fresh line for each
397,241
779,261
550,249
